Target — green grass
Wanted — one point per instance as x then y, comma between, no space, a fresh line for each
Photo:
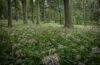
29,44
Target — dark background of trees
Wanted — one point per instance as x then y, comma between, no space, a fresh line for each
47,11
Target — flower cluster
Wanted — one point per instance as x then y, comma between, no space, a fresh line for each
61,46
51,60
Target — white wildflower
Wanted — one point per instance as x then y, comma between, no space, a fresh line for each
78,40
18,53
51,60
78,57
61,46
32,41
48,44
53,39
43,52
95,50
80,63
82,47
23,40
12,34
52,50
74,50
74,44
62,33
14,46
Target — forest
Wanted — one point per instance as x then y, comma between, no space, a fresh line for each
49,32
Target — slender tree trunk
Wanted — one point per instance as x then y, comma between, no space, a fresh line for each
43,10
71,8
60,12
68,21
37,2
9,14
55,16
24,11
17,14
84,11
32,12
60,16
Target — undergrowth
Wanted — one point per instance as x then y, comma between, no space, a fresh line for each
29,44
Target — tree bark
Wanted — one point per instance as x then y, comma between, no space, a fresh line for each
32,12
68,21
84,11
43,10
37,3
17,14
24,10
59,12
9,14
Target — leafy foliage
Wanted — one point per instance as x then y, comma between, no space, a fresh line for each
29,44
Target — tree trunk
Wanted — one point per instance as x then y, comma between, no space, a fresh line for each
68,21
60,12
37,3
9,14
17,14
43,10
84,11
32,12
24,11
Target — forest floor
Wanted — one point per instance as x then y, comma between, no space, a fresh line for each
29,44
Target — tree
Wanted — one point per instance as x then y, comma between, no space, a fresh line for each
9,14
43,10
84,11
16,9
32,12
95,11
24,4
68,22
59,11
3,9
37,3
